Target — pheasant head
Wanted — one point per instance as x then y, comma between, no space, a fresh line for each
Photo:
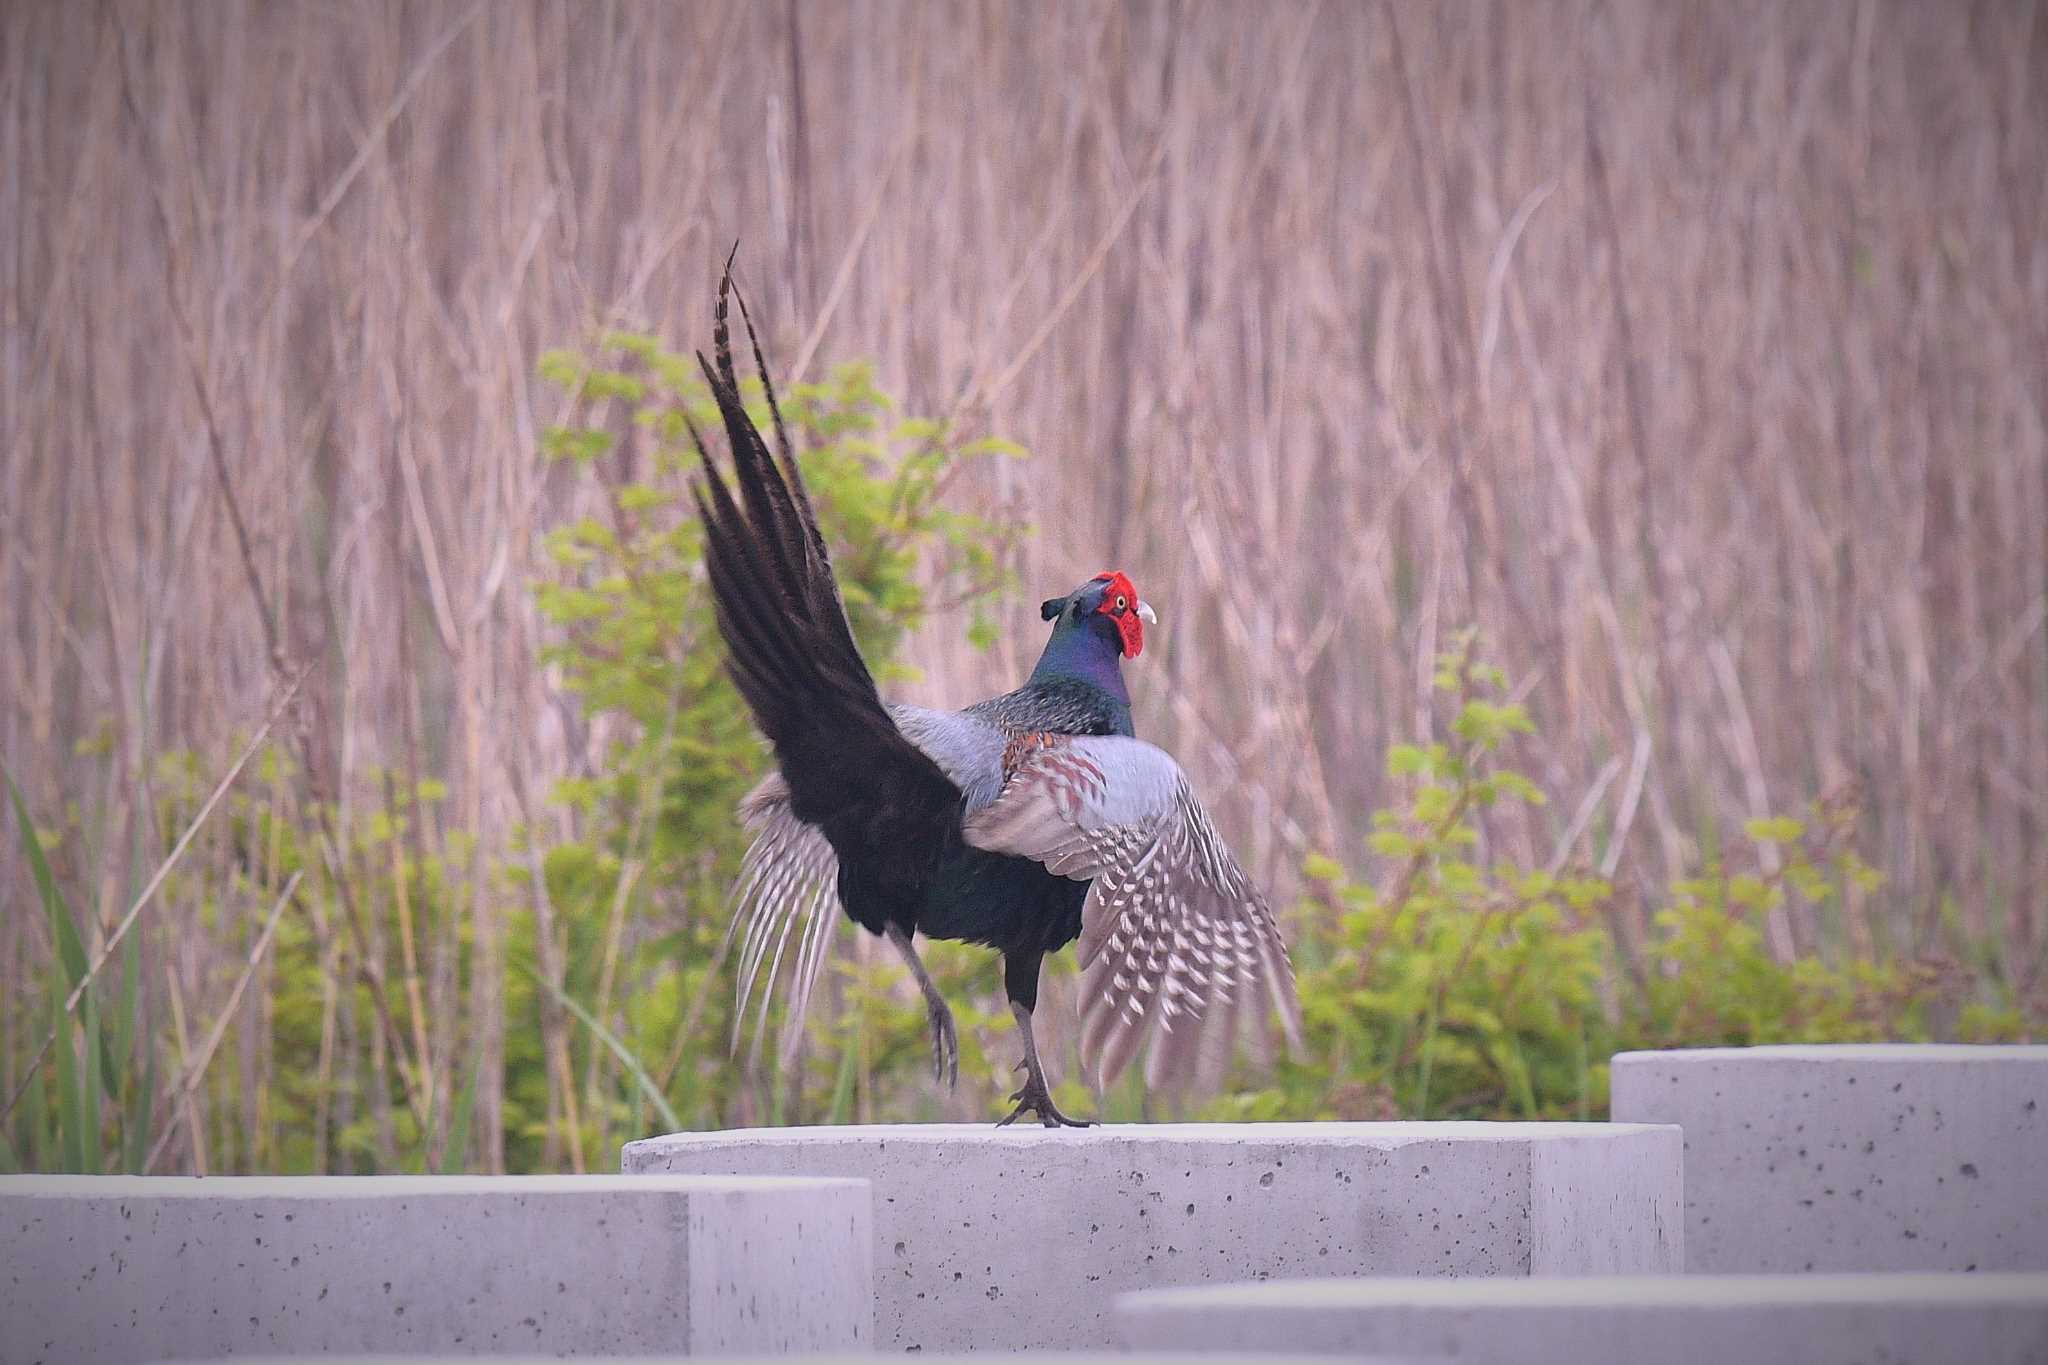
1106,607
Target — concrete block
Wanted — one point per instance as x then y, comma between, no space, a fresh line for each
1854,1158
1895,1319
869,1358
131,1268
1011,1238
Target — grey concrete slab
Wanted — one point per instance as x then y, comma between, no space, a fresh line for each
869,1358
1893,1319
1879,1157
1012,1238
131,1268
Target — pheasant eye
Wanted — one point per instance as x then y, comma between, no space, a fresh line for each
1120,602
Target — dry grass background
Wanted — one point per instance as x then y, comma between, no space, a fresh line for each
1698,353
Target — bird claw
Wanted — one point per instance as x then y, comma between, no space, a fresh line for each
945,1047
1034,1096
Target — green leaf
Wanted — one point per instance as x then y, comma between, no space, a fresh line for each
995,445
1780,829
1320,867
612,384
565,368
636,344
1406,760
1520,787
572,443
638,497
1391,843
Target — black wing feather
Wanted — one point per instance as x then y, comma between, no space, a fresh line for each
812,538
886,807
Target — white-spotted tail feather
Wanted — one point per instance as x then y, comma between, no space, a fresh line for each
788,885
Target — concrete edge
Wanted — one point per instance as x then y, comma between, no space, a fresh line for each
1580,1292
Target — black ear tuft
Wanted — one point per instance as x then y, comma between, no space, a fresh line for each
1051,607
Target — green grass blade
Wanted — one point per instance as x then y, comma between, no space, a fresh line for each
1429,1023
1123,1102
124,1022
91,1100
1517,1070
618,1049
456,1155
63,928
124,1081
1583,1065
70,1122
135,1128
34,1132
842,1089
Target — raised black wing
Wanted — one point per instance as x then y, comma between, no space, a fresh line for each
885,807
1173,934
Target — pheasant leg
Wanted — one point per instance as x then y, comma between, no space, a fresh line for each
1034,1095
945,1040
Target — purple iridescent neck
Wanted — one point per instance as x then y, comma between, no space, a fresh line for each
1087,649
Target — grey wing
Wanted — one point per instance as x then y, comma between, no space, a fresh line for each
1173,932
967,749
789,881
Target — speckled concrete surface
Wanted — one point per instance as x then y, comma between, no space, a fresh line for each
869,1358
126,1268
1855,1157
1873,1319
1008,1238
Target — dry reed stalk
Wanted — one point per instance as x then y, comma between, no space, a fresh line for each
188,1107
194,1067
1818,435
409,954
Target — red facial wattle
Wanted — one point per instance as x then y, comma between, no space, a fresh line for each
1120,604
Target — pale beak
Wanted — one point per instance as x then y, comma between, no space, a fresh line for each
1146,615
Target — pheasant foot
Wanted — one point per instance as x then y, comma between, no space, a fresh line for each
1035,1097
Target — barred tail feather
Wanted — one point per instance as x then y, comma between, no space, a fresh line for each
789,878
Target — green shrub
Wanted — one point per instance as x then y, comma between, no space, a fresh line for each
1455,990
